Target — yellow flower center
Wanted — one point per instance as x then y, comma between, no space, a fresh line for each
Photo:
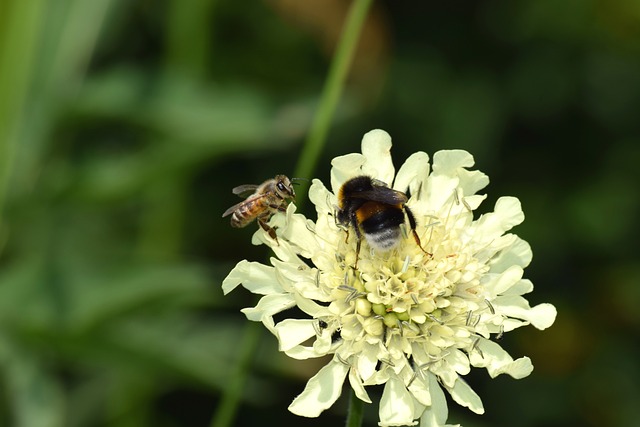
406,288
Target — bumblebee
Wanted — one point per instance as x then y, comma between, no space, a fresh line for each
376,211
263,201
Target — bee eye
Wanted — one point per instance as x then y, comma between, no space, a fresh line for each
281,187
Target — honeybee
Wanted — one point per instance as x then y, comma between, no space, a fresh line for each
376,211
264,200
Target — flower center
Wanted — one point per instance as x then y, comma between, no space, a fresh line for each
405,287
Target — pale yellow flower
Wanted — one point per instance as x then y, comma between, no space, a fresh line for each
413,321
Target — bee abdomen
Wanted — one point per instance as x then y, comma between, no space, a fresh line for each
384,239
382,228
243,216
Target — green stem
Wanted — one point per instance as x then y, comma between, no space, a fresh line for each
356,411
332,89
226,412
329,98
188,42
21,27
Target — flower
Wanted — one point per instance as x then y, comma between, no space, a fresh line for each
414,320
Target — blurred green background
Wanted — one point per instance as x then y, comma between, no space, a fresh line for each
125,124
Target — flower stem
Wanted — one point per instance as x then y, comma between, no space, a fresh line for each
311,150
332,88
225,414
356,411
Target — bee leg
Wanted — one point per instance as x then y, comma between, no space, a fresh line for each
280,208
270,230
354,223
413,225
355,266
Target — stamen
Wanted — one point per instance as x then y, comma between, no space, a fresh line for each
455,202
501,333
431,226
491,309
477,320
472,320
317,328
403,231
434,359
412,379
405,266
388,362
466,205
435,319
341,360
474,346
412,326
355,294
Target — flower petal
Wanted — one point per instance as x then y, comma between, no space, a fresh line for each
417,384
541,316
344,168
322,198
301,278
292,332
464,395
257,278
472,181
376,148
297,230
310,307
474,200
518,253
523,286
500,283
396,405
497,361
449,162
302,353
436,414
438,194
507,214
267,307
367,361
419,387
458,361
413,175
517,369
321,391
358,387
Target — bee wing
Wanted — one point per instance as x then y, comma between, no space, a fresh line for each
384,195
245,189
242,203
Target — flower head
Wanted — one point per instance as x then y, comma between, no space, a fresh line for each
415,319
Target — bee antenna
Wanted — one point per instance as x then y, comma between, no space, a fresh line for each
295,180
